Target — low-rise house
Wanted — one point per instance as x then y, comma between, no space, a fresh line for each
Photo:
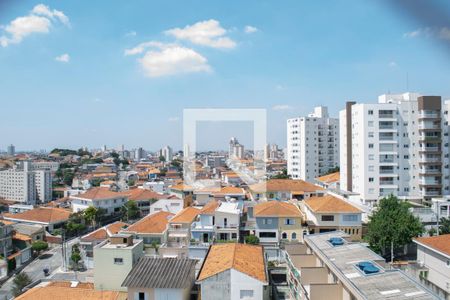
144,198
329,181
181,190
227,221
179,233
99,197
202,230
69,290
6,232
231,178
49,217
92,239
433,259
161,279
114,259
152,229
19,208
329,213
284,190
34,232
204,196
234,271
169,203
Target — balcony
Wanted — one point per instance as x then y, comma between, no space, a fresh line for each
197,226
429,115
387,171
226,227
424,171
436,159
431,192
430,182
425,126
386,114
430,149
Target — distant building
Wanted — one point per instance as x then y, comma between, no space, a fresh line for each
99,197
49,217
312,144
114,259
11,150
215,161
25,185
139,154
236,150
167,153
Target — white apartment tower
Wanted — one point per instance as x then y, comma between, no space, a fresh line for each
167,152
11,150
25,185
397,146
312,144
236,150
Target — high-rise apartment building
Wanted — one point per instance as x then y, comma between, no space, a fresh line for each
312,144
25,185
236,150
167,153
11,150
397,146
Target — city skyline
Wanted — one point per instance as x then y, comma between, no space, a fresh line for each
283,58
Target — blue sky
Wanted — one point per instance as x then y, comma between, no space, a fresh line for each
121,72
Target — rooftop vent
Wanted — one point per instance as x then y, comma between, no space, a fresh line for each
336,241
368,268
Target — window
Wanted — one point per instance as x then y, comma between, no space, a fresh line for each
371,157
284,235
234,235
370,112
267,234
350,218
267,221
370,124
370,146
141,296
371,179
289,222
118,260
327,218
294,236
371,135
246,294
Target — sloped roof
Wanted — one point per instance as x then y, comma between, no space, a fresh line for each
276,209
187,215
229,190
274,185
57,290
100,193
144,194
210,207
439,243
329,178
163,273
104,232
330,204
41,214
247,259
154,223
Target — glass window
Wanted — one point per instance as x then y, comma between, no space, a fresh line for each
246,294
327,218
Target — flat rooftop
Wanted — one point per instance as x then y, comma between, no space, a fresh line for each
343,260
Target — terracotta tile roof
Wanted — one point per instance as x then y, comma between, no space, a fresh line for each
6,222
104,232
144,194
181,187
439,243
99,193
276,209
274,185
65,291
330,178
210,208
41,214
154,223
247,259
187,215
229,190
330,204
21,237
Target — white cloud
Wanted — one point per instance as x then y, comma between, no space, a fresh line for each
65,58
206,33
282,107
173,60
441,33
250,29
392,64
38,21
173,119
143,46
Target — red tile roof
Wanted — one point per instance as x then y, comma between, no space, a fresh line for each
439,243
41,214
100,193
154,223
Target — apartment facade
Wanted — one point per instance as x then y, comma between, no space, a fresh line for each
25,185
312,144
397,146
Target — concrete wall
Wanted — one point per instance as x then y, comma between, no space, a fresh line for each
325,291
439,272
242,282
159,294
314,275
217,287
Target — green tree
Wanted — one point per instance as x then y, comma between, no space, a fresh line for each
75,257
252,240
162,158
130,211
39,246
282,175
90,215
392,225
444,226
20,281
74,228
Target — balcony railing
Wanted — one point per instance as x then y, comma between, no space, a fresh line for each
429,115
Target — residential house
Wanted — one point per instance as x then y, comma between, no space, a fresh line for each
234,271
204,196
34,232
69,290
284,190
202,230
433,258
161,279
179,233
227,221
168,203
114,259
231,178
329,181
92,239
99,197
181,190
152,229
329,213
49,217
144,198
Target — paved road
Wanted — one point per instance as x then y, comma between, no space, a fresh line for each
53,261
